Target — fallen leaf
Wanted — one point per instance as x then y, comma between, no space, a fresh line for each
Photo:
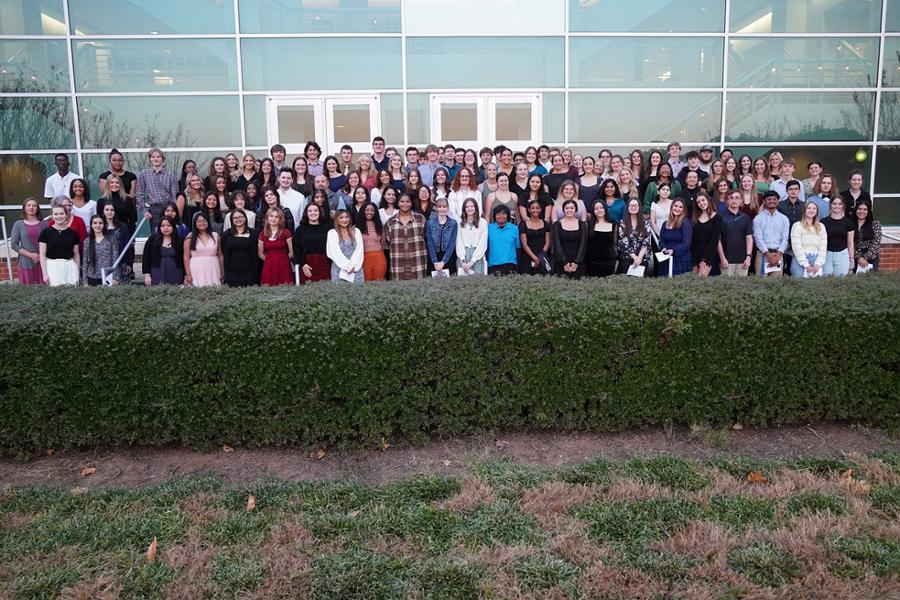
447,463
88,471
49,451
319,454
384,444
756,477
227,448
78,490
737,426
501,444
848,474
354,513
251,503
151,552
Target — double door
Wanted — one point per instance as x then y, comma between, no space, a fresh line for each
475,121
332,122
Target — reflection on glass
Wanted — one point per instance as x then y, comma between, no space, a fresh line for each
799,116
837,160
333,16
477,17
296,124
640,117
889,121
33,66
645,62
255,120
647,15
805,16
887,172
418,117
155,65
891,73
802,62
892,18
392,118
512,121
96,163
514,62
164,121
140,17
32,17
321,64
36,124
23,175
459,122
887,210
554,125
351,123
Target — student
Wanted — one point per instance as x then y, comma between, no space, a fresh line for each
866,238
471,241
405,239
213,213
706,238
344,246
815,169
82,205
278,154
519,181
430,166
588,183
627,186
116,161
661,207
693,166
823,192
242,177
239,251
289,198
336,178
809,240
354,203
268,176
441,187
502,197
346,162
464,186
489,183
569,242
568,191
74,222
706,158
503,243
220,189
751,199
163,258
600,252
737,237
271,199
780,185
23,240
440,235
534,239
611,197
633,235
99,251
369,224
792,207
217,168
398,174
309,243
675,238
840,252
378,158
172,213
367,175
233,163
664,175
424,202
275,248
450,162
202,258
412,181
239,202
674,152
58,250
761,175
775,160
555,178
58,183
188,168
156,185
770,234
383,181
855,193
312,151
388,206
190,199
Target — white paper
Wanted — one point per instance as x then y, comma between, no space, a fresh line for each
807,274
441,273
347,276
772,268
462,273
865,269
636,271
662,257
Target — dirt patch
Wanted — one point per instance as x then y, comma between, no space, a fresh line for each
135,467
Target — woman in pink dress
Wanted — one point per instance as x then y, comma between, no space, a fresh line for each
276,250
24,242
203,268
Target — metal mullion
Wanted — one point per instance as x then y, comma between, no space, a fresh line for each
76,122
403,75
566,41
723,115
240,76
876,121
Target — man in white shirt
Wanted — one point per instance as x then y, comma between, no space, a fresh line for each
58,183
291,199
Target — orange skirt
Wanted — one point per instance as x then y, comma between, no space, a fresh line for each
374,265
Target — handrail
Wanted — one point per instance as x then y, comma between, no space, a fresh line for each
107,279
9,268
890,237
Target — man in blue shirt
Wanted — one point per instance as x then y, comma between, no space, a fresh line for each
771,232
450,161
503,243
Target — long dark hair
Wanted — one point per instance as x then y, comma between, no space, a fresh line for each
362,222
195,233
92,237
172,204
158,236
216,213
626,220
867,224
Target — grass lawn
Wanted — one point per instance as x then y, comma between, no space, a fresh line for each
661,527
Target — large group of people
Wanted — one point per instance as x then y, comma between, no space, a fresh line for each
447,212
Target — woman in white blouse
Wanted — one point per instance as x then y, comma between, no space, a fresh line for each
471,240
344,246
809,243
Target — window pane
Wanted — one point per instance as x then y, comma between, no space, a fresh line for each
645,62
32,17
326,62
33,66
891,74
296,124
805,16
887,210
518,62
23,175
802,62
459,121
799,116
139,17
336,16
887,170
892,19
352,123
155,65
392,119
476,17
36,123
96,163
513,121
838,160
889,122
164,121
418,113
606,117
647,15
255,120
554,110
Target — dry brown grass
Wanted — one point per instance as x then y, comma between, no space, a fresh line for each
877,471
102,587
571,543
817,583
549,501
192,561
786,482
497,557
14,521
701,539
603,581
201,508
631,490
473,494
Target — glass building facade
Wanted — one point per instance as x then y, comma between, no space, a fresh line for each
814,79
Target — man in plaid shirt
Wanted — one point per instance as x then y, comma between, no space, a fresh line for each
156,185
404,234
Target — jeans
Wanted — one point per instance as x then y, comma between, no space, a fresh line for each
837,263
797,270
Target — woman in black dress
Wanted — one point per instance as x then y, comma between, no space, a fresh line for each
569,242
706,241
534,234
600,258
239,249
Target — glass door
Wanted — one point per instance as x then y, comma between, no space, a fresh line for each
515,121
458,120
332,122
292,121
354,121
487,120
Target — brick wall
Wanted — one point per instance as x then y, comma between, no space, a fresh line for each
890,257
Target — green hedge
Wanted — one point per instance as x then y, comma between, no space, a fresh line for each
339,364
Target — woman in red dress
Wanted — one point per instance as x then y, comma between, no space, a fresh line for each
275,250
